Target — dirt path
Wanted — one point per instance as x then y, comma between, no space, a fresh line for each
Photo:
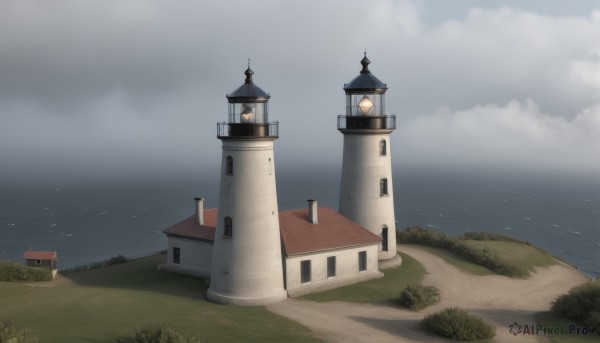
498,299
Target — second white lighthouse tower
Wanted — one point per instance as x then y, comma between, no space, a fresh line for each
247,264
366,192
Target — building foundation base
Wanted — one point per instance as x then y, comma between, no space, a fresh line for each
393,262
240,301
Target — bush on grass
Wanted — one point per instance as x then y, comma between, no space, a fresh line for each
155,333
488,236
484,257
458,324
581,303
417,297
10,334
13,271
419,235
117,260
592,321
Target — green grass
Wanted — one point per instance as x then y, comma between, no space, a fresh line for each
485,249
550,320
524,255
380,290
457,261
103,303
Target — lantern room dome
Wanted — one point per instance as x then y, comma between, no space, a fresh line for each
248,92
365,82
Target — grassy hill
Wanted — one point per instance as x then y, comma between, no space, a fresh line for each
97,305
523,255
100,304
492,252
527,256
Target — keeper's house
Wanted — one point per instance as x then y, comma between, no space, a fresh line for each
321,249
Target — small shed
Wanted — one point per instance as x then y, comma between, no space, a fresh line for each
44,259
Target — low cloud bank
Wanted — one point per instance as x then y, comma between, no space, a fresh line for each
517,135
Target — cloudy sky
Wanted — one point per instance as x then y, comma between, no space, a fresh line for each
126,87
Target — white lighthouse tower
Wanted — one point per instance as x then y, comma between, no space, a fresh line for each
366,192
246,262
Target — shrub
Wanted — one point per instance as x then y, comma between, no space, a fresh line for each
155,333
457,323
581,303
39,274
592,321
417,297
488,236
117,260
10,334
418,235
13,271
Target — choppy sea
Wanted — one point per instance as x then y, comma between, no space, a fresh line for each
88,222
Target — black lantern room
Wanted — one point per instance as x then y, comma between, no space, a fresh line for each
365,102
248,112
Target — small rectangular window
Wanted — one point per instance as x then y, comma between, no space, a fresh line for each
229,165
382,148
384,238
305,271
38,262
176,256
383,187
362,261
228,227
331,266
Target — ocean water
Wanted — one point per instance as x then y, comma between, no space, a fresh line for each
94,221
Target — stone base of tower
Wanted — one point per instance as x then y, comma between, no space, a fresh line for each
390,254
395,261
238,301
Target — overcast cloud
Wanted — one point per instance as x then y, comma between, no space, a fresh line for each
128,87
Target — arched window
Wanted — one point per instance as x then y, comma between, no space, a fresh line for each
384,238
228,227
382,147
229,166
383,187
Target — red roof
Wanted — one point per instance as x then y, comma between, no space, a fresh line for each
332,232
189,229
40,255
298,235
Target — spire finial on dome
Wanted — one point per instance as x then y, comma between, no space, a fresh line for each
365,63
248,73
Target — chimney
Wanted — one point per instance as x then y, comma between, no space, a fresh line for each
199,211
313,211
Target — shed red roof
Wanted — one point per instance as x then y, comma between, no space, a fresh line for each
298,235
189,229
332,232
40,255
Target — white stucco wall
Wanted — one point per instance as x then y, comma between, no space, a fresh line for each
195,257
360,200
247,268
346,270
